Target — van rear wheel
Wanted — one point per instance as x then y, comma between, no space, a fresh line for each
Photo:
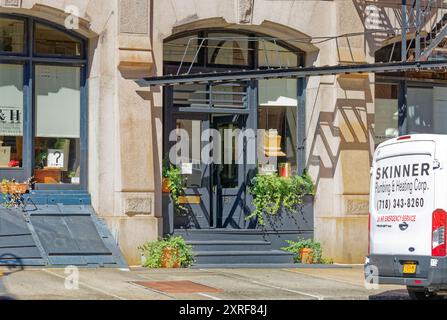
418,294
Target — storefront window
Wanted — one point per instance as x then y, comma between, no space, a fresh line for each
278,118
11,115
386,113
420,110
440,110
12,35
57,125
41,133
50,41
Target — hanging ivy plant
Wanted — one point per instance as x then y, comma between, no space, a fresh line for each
271,193
176,184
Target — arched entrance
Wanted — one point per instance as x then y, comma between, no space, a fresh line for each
216,196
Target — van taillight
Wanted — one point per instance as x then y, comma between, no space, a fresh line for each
369,234
404,138
438,233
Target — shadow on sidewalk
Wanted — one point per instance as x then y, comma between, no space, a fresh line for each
391,295
13,264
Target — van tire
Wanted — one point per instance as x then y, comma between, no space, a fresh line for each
418,294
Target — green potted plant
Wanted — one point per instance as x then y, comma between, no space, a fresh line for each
307,251
273,194
170,252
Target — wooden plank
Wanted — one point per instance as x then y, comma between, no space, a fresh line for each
189,200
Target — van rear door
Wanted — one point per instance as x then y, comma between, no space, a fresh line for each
402,199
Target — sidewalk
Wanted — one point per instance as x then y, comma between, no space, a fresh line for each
196,284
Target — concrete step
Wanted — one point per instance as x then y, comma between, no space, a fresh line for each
243,257
229,245
220,234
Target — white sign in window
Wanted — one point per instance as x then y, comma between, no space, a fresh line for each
11,101
58,102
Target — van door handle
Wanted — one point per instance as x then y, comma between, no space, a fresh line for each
436,165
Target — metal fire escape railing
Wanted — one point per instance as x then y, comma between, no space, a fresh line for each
416,19
422,33
419,17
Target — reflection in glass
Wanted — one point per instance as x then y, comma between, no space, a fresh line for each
190,95
228,95
228,171
228,49
278,117
54,42
182,49
280,128
420,110
440,110
193,129
386,113
11,115
273,55
12,35
57,125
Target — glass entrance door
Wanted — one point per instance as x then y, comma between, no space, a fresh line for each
229,172
215,192
184,151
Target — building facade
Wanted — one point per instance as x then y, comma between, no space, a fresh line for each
74,92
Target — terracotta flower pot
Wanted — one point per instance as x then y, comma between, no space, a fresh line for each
18,188
170,258
307,256
165,186
48,175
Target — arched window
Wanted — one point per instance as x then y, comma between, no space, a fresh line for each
43,129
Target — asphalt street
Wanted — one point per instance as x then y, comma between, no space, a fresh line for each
192,284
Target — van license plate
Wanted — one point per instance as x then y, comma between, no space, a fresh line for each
409,268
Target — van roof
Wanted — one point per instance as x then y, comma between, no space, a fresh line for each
441,138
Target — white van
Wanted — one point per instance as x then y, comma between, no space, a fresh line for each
408,204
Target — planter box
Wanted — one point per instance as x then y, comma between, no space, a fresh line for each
300,220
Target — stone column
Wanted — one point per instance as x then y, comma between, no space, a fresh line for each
136,218
345,147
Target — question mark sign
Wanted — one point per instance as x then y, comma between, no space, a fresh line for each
59,155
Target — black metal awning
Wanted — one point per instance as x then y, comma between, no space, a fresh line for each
300,72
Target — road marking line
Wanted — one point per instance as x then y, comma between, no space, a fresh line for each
325,278
209,296
265,284
289,290
86,285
